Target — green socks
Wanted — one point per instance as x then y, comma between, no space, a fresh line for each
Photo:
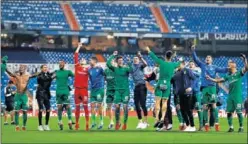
93,118
69,113
125,114
60,114
205,116
101,119
200,116
216,115
25,118
240,116
229,119
17,118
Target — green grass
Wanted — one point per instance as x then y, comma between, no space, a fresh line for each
129,136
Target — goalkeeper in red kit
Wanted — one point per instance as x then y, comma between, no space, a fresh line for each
81,87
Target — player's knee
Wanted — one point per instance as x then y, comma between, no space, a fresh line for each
157,107
68,106
59,107
109,106
125,106
117,106
48,110
205,107
214,105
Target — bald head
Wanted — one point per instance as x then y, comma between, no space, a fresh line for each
22,68
61,64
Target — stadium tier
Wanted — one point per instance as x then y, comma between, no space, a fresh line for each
41,15
96,16
52,57
191,19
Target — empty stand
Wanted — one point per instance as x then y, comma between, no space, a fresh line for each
191,19
44,15
96,16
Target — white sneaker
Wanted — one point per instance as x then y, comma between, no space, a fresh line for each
40,128
46,128
192,129
145,125
187,129
140,125
162,129
169,127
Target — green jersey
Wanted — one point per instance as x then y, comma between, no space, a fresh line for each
235,85
62,78
110,79
166,69
121,74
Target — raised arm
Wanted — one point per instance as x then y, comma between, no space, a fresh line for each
10,73
76,54
142,60
35,74
216,80
153,56
223,87
195,58
245,69
109,61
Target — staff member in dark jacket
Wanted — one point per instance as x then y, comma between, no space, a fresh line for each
177,83
9,93
185,93
43,96
140,90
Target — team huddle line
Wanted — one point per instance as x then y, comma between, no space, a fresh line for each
193,88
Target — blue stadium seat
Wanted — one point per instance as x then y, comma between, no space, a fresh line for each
41,15
96,16
192,19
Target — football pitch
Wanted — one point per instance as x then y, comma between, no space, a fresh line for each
131,135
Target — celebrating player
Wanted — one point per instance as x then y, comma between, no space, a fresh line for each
234,100
21,98
121,88
96,74
62,93
162,91
196,92
140,90
208,87
81,87
43,96
110,92
9,92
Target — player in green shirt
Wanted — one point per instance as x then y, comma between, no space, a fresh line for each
234,100
121,73
163,87
62,93
110,92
